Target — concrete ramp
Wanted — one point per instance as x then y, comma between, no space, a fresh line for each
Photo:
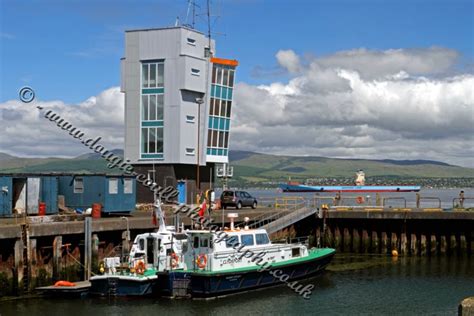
289,219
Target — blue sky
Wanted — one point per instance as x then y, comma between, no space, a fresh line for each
70,50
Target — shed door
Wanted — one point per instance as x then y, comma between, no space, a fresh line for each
6,193
33,189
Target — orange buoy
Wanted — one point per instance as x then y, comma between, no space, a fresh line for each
360,200
64,283
42,209
96,210
394,253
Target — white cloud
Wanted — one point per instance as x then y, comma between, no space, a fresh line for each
396,104
26,132
288,60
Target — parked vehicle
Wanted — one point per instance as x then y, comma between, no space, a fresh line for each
237,199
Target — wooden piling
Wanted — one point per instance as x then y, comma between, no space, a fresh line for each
365,241
95,253
393,242
452,244
433,245
18,266
337,239
57,252
329,237
462,245
384,243
355,240
403,244
423,245
374,243
318,237
443,245
126,244
347,240
413,245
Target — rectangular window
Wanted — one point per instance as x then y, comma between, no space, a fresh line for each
145,108
219,75
225,77
204,242
145,140
226,140
217,105
128,186
195,72
113,186
212,106
78,185
223,108
214,138
262,239
247,240
152,80
231,241
196,242
214,71
161,71
145,75
221,139
191,41
209,138
190,151
229,105
231,78
190,118
152,106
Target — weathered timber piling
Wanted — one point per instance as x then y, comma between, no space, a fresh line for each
347,239
355,240
57,254
452,244
423,245
462,245
328,237
374,243
337,239
443,245
394,242
365,246
403,244
384,243
18,266
433,245
413,245
95,253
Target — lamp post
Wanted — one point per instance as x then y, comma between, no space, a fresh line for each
199,101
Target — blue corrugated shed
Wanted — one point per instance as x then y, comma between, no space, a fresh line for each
116,193
23,192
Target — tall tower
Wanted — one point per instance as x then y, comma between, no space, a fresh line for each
178,101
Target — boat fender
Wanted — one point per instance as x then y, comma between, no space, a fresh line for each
64,283
140,267
201,261
360,200
174,260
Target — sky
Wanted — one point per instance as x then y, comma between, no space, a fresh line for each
341,78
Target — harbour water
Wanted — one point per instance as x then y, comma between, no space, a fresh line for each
354,285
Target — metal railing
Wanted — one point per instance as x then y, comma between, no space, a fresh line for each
460,202
394,198
431,199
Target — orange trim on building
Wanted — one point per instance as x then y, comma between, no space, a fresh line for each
227,62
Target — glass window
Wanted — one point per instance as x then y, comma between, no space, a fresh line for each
191,41
113,186
231,241
152,82
221,139
145,75
190,118
196,242
78,185
152,106
211,110
219,75
214,138
141,244
262,239
209,138
204,242
226,140
223,108
247,240
195,72
214,71
231,78
145,140
159,106
152,140
190,151
128,186
217,105
145,107
229,104
159,143
225,77
161,71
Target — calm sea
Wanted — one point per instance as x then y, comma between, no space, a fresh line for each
355,285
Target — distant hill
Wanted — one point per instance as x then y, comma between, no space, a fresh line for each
257,167
251,167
